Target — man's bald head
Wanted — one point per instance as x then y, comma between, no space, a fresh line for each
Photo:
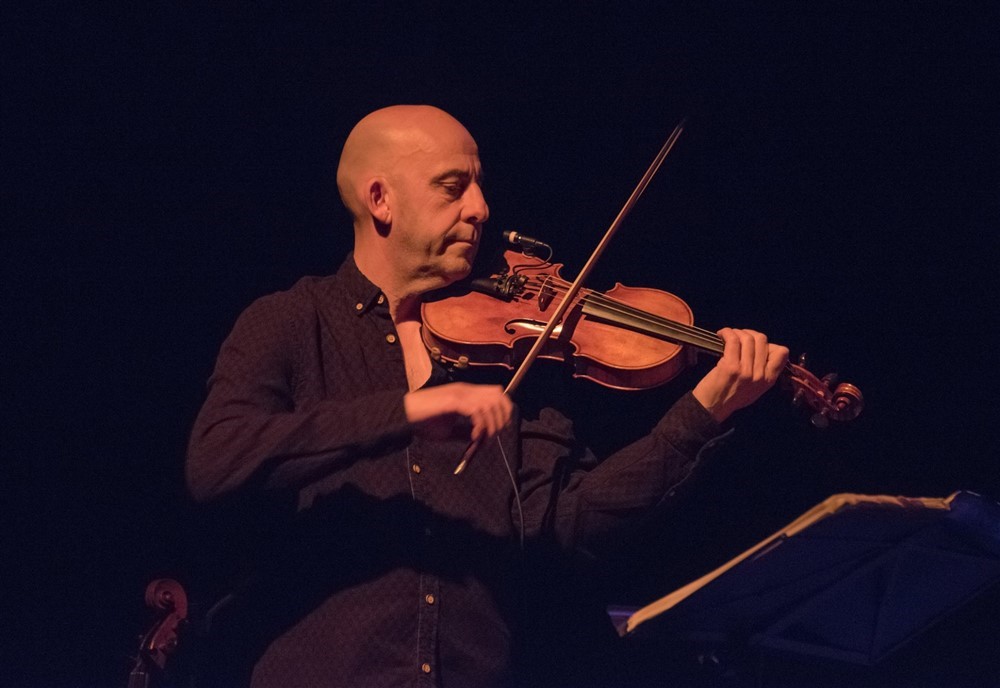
410,175
385,138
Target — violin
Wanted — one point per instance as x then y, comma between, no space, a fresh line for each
627,338
167,598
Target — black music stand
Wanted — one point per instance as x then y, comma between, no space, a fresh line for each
852,579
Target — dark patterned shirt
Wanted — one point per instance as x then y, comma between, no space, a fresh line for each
379,567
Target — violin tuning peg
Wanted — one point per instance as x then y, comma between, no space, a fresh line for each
435,353
820,420
462,363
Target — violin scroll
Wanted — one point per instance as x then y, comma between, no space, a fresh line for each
841,403
168,599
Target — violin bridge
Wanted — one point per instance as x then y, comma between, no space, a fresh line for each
545,295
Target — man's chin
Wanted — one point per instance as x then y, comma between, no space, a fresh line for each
459,259
457,272
446,272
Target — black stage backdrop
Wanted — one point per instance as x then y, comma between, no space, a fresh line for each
836,187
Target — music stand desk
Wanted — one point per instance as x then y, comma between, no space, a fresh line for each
853,578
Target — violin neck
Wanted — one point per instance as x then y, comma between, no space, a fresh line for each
623,315
608,310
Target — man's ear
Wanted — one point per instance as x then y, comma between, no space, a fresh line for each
377,201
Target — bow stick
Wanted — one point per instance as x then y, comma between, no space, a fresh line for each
574,288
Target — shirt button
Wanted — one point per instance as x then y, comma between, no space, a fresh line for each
381,299
416,467
391,338
429,599
425,667
358,306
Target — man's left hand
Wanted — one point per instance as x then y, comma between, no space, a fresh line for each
749,367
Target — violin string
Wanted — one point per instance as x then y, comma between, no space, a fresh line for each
711,340
621,308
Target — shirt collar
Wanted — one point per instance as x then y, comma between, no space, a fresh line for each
362,295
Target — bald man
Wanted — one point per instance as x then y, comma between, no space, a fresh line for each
375,566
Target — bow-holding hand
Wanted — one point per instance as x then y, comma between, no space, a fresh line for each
439,412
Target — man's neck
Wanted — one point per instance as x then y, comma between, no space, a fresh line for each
404,309
403,291
402,298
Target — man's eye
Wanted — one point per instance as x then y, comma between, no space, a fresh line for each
453,190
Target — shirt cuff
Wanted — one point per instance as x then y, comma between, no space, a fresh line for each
688,426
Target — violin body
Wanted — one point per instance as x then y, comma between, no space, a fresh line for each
476,328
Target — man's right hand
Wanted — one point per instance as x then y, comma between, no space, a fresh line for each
440,412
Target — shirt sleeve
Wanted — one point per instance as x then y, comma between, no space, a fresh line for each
571,496
252,430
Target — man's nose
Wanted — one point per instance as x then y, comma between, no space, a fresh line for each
476,210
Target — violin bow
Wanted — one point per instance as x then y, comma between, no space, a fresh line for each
574,288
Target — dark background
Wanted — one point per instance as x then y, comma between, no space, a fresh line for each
836,187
